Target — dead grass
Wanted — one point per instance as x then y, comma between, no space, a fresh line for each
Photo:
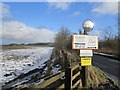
98,79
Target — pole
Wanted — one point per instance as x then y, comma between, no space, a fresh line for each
84,76
84,72
68,74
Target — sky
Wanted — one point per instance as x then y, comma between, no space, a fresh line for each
31,22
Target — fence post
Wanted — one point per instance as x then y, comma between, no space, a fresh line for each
68,74
68,81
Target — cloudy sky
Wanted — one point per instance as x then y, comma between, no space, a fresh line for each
30,22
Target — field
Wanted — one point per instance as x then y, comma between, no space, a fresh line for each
14,62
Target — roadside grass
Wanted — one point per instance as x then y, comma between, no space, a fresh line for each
98,79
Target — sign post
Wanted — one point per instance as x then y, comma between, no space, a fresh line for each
85,43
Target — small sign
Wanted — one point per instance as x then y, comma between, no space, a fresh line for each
86,61
84,42
86,53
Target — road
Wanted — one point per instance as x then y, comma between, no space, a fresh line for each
108,66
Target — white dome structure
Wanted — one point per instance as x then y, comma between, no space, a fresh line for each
88,25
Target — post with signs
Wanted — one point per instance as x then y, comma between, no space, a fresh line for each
85,43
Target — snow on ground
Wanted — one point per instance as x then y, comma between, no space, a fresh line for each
18,61
56,69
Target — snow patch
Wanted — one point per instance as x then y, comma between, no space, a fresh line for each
56,69
18,61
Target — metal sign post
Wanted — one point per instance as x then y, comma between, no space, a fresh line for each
85,43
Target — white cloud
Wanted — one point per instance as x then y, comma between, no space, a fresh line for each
106,8
20,32
77,13
5,14
13,31
59,5
4,9
63,4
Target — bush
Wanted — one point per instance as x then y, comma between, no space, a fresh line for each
62,40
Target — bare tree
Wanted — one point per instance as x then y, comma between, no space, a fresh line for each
62,38
110,42
108,33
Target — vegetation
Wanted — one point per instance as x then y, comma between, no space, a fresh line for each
25,46
13,46
63,47
109,46
62,40
98,80
49,44
109,43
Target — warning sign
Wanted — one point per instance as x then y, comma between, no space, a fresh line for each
84,42
86,61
